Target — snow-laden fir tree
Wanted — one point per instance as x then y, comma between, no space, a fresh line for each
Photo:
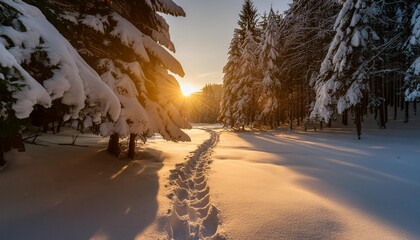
135,65
231,98
230,79
412,79
344,71
269,84
35,54
245,104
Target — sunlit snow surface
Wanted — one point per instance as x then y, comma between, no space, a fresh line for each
265,185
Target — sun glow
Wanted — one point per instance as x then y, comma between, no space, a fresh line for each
187,89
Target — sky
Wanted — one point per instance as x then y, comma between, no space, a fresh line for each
202,38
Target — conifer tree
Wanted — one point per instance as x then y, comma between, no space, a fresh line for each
248,21
35,54
123,42
245,110
233,101
342,82
230,78
269,84
135,65
412,79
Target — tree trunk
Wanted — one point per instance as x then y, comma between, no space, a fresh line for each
17,142
6,144
2,160
415,107
114,145
382,116
386,100
395,100
358,120
132,146
407,104
291,118
329,123
345,118
379,113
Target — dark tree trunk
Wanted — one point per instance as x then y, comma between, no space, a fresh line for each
395,109
395,100
6,144
386,100
45,126
329,123
382,116
345,117
114,145
358,120
375,116
2,160
290,117
415,107
17,142
60,123
403,103
406,112
132,146
380,110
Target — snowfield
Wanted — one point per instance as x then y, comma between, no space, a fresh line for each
326,185
222,185
65,192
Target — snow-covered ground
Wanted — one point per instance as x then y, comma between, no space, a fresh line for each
66,192
324,185
260,185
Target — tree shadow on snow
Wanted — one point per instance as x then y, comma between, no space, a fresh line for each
373,175
94,197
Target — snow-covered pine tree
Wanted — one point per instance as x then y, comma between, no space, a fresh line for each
344,71
19,91
229,109
36,52
230,79
269,84
135,65
412,79
245,104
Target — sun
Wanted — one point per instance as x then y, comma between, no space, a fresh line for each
187,89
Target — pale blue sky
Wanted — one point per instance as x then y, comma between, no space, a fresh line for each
202,38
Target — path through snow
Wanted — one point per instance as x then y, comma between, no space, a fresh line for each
193,216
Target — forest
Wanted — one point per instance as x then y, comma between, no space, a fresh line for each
323,61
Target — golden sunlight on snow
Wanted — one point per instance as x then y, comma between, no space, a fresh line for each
298,205
187,89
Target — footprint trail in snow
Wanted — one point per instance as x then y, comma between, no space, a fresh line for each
193,216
